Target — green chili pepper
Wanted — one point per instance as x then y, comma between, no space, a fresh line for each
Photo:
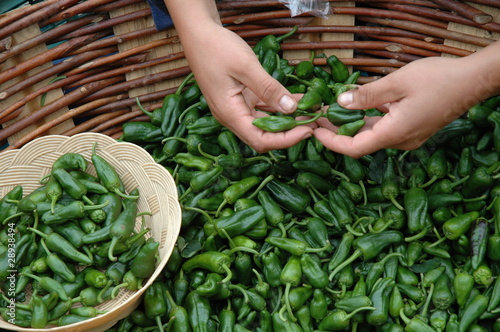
463,283
295,247
472,311
478,182
313,272
272,268
155,305
351,128
50,285
199,311
278,123
376,271
272,42
338,70
288,196
458,225
206,125
57,265
60,245
478,242
143,265
123,226
178,315
108,176
239,222
369,246
217,262
494,119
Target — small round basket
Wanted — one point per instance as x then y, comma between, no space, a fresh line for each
137,169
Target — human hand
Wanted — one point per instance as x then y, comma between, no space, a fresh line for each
234,83
418,100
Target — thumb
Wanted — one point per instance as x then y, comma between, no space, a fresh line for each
370,95
270,91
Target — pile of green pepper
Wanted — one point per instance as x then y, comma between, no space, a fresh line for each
70,245
305,239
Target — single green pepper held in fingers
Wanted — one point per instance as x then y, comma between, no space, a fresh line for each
278,123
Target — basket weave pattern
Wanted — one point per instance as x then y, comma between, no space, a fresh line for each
137,169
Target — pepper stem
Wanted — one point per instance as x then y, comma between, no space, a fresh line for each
111,256
287,302
356,254
286,35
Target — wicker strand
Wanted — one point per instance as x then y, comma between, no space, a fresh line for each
465,10
35,17
15,15
41,113
52,71
428,30
49,35
438,15
54,122
95,124
78,9
57,52
17,107
104,25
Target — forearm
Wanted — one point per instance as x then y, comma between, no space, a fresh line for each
190,15
483,71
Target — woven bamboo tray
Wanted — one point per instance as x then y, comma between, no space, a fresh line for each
72,66
137,169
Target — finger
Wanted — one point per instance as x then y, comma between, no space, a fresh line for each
268,90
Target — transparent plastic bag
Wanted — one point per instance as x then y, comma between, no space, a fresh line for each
318,8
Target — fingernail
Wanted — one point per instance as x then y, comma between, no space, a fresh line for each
287,103
345,98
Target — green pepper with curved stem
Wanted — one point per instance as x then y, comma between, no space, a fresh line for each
379,296
74,210
172,107
95,278
290,275
177,314
463,283
130,282
339,319
122,227
50,285
369,246
416,207
141,131
154,302
342,251
278,123
60,245
239,222
213,261
273,212
73,187
71,231
57,265
271,42
206,125
108,175
318,306
6,206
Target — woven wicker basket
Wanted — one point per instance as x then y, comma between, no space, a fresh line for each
158,195
87,61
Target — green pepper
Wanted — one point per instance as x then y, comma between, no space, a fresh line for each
39,318
479,181
376,270
6,207
339,115
339,319
50,285
313,181
369,246
239,222
143,265
309,102
338,70
71,161
290,275
342,251
123,226
288,196
456,226
71,231
177,314
478,242
293,246
199,311
213,261
272,268
60,245
137,131
341,210
269,61
155,305
380,301
72,186
313,272
206,125
442,296
173,147
494,119
351,128
74,210
472,311
57,265
271,42
318,305
278,123
108,175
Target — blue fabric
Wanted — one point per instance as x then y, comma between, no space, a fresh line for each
160,15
